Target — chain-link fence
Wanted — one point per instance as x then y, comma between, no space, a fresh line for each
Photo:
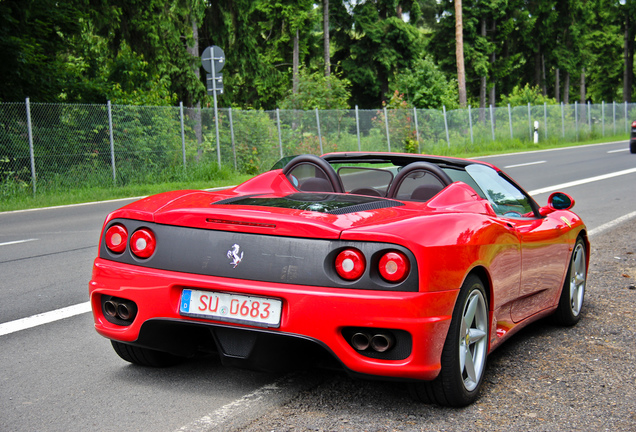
45,146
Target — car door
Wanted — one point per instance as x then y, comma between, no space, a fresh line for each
543,248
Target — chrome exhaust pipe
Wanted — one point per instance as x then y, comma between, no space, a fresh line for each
110,308
126,310
382,342
360,341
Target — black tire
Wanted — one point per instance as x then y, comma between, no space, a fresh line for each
568,312
458,384
145,356
632,146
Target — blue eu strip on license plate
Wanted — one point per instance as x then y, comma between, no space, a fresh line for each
185,301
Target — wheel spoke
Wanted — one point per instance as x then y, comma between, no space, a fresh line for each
470,368
469,315
476,335
577,281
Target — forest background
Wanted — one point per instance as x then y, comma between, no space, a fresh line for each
304,54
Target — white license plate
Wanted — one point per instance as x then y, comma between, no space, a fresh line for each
259,311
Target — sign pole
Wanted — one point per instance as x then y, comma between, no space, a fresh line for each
216,109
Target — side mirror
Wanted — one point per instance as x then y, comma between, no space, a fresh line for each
557,201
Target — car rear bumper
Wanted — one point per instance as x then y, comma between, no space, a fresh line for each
316,315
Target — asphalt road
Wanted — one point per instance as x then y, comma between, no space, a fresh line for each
63,376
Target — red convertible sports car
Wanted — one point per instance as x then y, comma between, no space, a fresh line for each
397,266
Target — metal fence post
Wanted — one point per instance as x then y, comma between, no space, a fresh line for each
417,129
319,134
510,121
626,128
576,119
614,117
446,126
232,135
386,123
470,125
530,121
280,138
562,121
112,142
545,119
589,116
30,133
358,128
182,134
492,122
603,115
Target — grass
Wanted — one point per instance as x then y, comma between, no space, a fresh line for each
91,194
209,176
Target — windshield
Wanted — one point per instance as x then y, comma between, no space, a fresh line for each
506,199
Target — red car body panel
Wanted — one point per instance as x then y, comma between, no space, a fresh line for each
523,263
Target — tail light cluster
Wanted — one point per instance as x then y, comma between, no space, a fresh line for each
142,241
393,266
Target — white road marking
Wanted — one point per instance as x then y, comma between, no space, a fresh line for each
550,150
43,318
618,151
582,181
231,410
525,164
611,224
16,242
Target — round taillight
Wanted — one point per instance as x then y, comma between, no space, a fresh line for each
350,264
394,266
116,238
143,243
634,124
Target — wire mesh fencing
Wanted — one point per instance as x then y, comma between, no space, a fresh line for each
46,147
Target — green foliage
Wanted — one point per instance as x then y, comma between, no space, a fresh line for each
526,95
317,91
34,35
425,86
147,52
373,48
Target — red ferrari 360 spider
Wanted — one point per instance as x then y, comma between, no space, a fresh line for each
398,266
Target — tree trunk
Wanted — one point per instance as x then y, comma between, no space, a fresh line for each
484,79
583,92
459,53
537,66
583,96
325,26
557,89
195,114
628,58
543,79
295,61
493,58
566,88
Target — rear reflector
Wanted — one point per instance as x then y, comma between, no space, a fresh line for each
116,238
143,243
350,264
394,266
